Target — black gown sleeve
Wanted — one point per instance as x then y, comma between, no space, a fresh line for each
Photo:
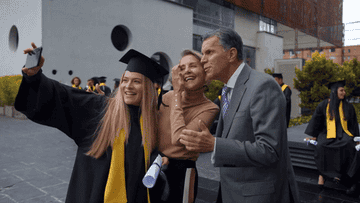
74,112
353,124
287,93
316,124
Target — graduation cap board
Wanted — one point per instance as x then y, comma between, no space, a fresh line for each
117,81
277,75
95,79
336,84
102,79
138,62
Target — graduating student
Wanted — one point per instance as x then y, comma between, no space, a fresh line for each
116,85
186,107
334,124
287,92
76,83
115,136
90,87
103,87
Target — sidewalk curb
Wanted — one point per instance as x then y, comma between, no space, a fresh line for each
10,111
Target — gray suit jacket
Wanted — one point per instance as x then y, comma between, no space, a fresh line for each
251,144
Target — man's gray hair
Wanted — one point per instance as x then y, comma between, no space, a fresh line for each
228,38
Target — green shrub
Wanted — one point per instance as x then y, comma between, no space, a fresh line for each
269,71
299,120
9,87
213,89
357,111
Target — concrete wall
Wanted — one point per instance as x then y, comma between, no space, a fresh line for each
247,25
26,16
304,40
76,35
268,48
287,68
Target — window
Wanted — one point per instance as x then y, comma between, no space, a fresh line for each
298,52
332,57
121,37
349,50
321,50
13,38
332,50
344,58
197,42
312,51
291,52
343,50
308,56
348,57
268,25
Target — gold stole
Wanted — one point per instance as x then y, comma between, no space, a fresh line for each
102,84
159,91
115,190
284,87
331,126
74,86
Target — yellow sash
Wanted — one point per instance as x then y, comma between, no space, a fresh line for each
331,126
159,91
284,87
115,191
74,86
102,84
219,97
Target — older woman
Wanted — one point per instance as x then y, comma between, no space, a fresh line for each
334,124
186,107
115,136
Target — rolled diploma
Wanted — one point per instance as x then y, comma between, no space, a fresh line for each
357,147
357,139
152,174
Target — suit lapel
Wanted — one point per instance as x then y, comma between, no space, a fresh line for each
237,94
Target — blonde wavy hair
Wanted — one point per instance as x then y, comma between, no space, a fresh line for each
117,117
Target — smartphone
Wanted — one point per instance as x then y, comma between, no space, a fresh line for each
33,58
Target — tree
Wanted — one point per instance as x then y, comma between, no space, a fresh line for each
213,89
312,81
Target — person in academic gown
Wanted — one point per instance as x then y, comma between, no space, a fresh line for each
103,86
113,147
186,107
116,85
334,124
76,83
287,92
90,87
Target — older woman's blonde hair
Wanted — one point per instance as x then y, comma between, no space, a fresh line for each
117,117
186,52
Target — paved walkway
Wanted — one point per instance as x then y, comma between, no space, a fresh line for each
36,163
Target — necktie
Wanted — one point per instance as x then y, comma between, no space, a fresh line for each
224,99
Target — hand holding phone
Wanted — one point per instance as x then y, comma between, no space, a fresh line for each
34,60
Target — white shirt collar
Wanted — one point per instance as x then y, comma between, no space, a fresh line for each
231,82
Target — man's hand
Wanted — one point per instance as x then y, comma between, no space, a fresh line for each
165,160
202,141
33,71
97,87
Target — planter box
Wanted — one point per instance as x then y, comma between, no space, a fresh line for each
2,111
9,111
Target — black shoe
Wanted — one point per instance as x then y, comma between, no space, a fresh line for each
351,190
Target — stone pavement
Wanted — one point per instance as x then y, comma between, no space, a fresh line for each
36,163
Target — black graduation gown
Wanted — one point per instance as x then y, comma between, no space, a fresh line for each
77,114
106,90
287,93
335,157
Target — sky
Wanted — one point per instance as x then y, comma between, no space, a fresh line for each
351,20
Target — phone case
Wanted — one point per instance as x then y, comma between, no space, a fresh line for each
33,58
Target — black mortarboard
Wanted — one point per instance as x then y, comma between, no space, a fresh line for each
102,79
277,75
138,62
117,81
336,84
95,79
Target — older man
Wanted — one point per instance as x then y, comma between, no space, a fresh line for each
250,144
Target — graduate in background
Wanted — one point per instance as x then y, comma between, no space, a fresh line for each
116,85
287,92
76,83
90,87
103,87
115,136
335,124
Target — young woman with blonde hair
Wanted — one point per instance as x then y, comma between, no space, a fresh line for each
115,136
